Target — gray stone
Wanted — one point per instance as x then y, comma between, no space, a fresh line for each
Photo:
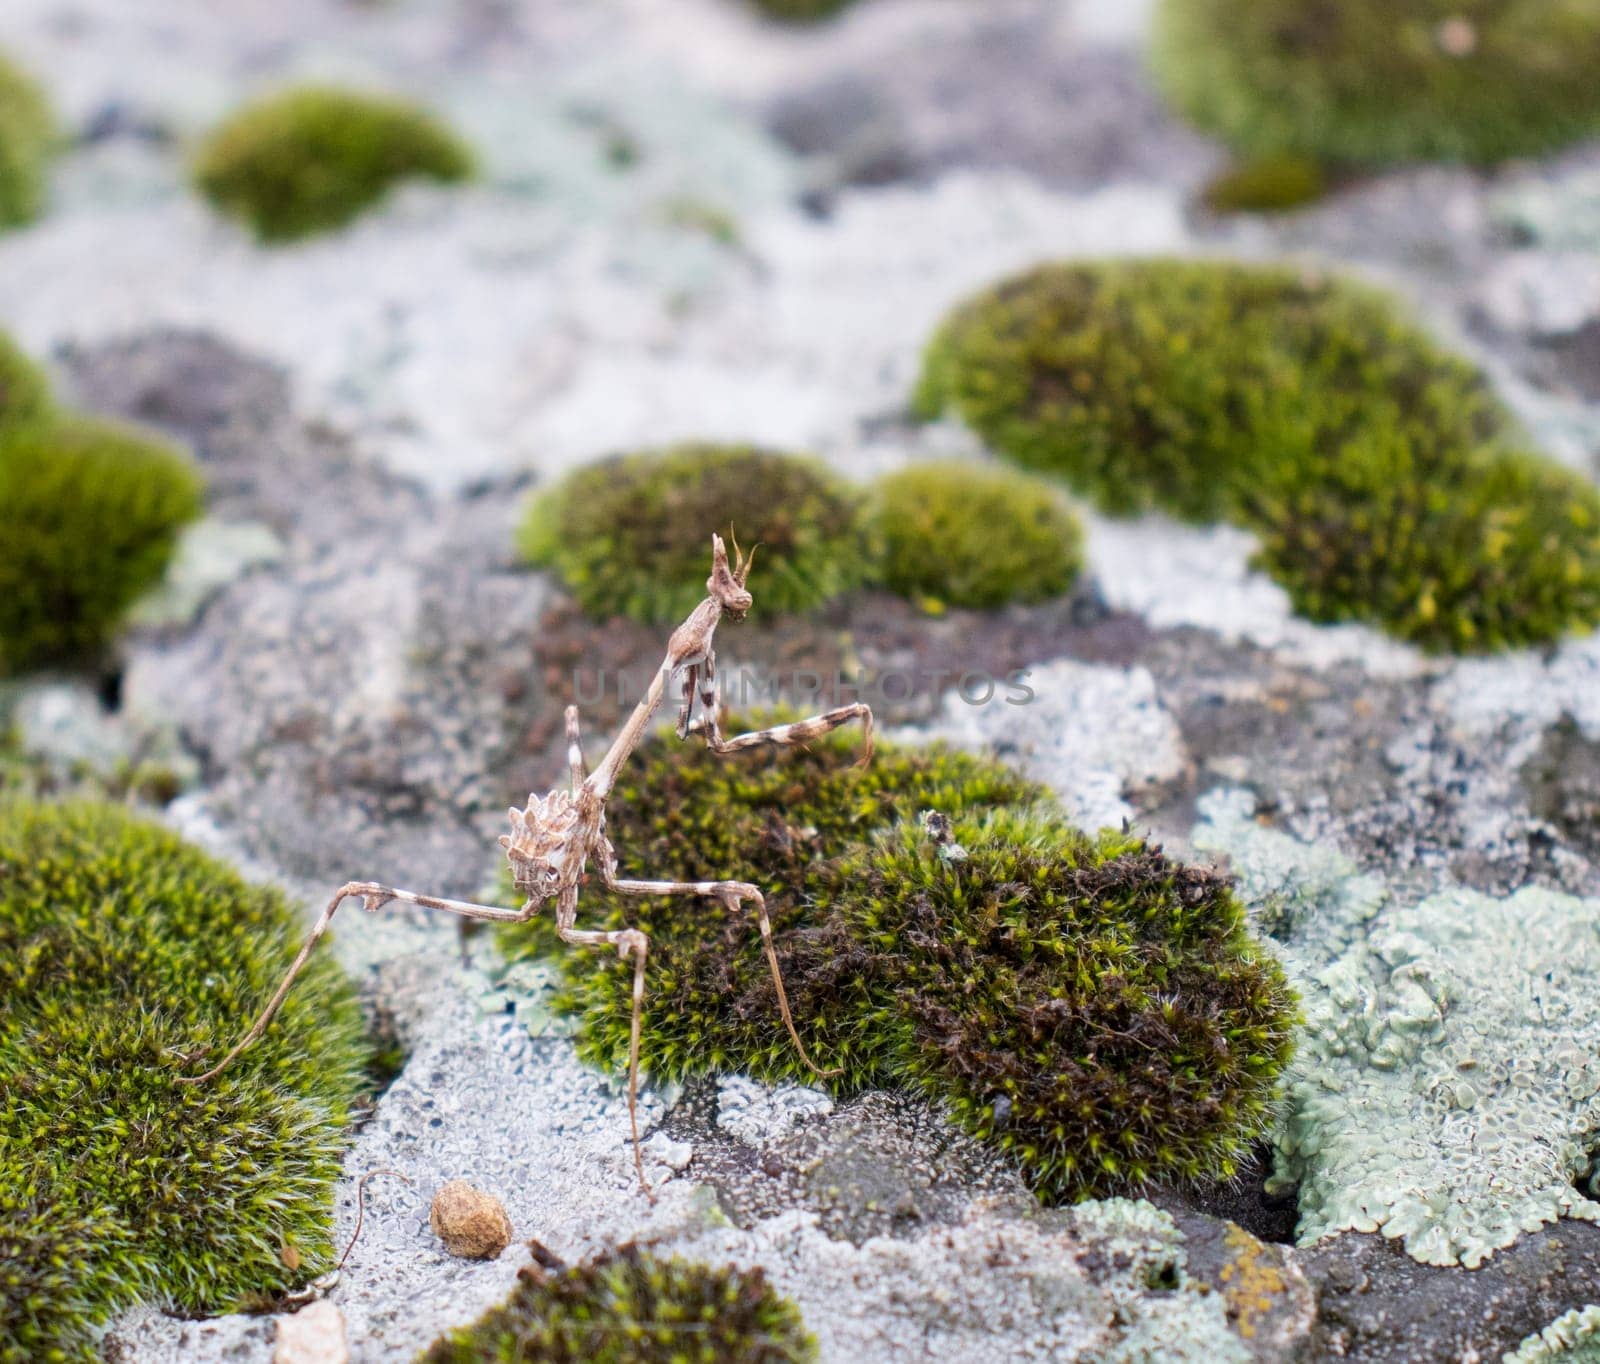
1091,733
64,724
1559,211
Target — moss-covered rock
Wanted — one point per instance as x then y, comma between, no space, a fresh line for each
1467,556
634,1307
630,535
127,780
1269,184
1149,384
27,137
775,819
1365,81
24,389
961,534
1373,463
314,158
92,515
1088,1004
799,11
122,950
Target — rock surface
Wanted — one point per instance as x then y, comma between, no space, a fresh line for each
697,225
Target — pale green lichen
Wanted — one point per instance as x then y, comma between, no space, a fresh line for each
1572,1338
1559,213
1159,1312
1446,1086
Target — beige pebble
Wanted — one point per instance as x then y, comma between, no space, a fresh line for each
1458,37
313,1335
471,1224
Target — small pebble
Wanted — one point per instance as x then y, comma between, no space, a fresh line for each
313,1335
675,1155
472,1224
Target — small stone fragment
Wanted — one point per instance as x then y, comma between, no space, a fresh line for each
1457,37
313,1335
675,1155
472,1224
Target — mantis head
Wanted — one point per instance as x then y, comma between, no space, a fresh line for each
726,584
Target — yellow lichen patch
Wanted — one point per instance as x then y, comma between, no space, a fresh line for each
1251,1282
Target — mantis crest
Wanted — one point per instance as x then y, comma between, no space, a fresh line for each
555,838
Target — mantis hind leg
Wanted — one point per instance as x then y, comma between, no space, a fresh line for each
628,942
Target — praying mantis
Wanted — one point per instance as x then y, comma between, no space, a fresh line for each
556,837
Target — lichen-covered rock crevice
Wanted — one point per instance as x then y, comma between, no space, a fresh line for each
1443,1088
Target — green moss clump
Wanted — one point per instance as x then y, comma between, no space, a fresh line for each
27,139
313,159
634,1307
1369,82
1269,184
800,11
775,820
92,514
962,534
1085,1002
122,949
24,389
1490,554
1302,407
1147,384
631,535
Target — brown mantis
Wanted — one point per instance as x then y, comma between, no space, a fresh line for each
553,840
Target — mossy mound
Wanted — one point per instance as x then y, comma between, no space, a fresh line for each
775,820
24,389
630,535
1084,1002
1470,556
1303,407
1146,384
634,1307
92,514
1125,1028
313,159
961,534
1269,184
800,11
27,137
121,950
1367,82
